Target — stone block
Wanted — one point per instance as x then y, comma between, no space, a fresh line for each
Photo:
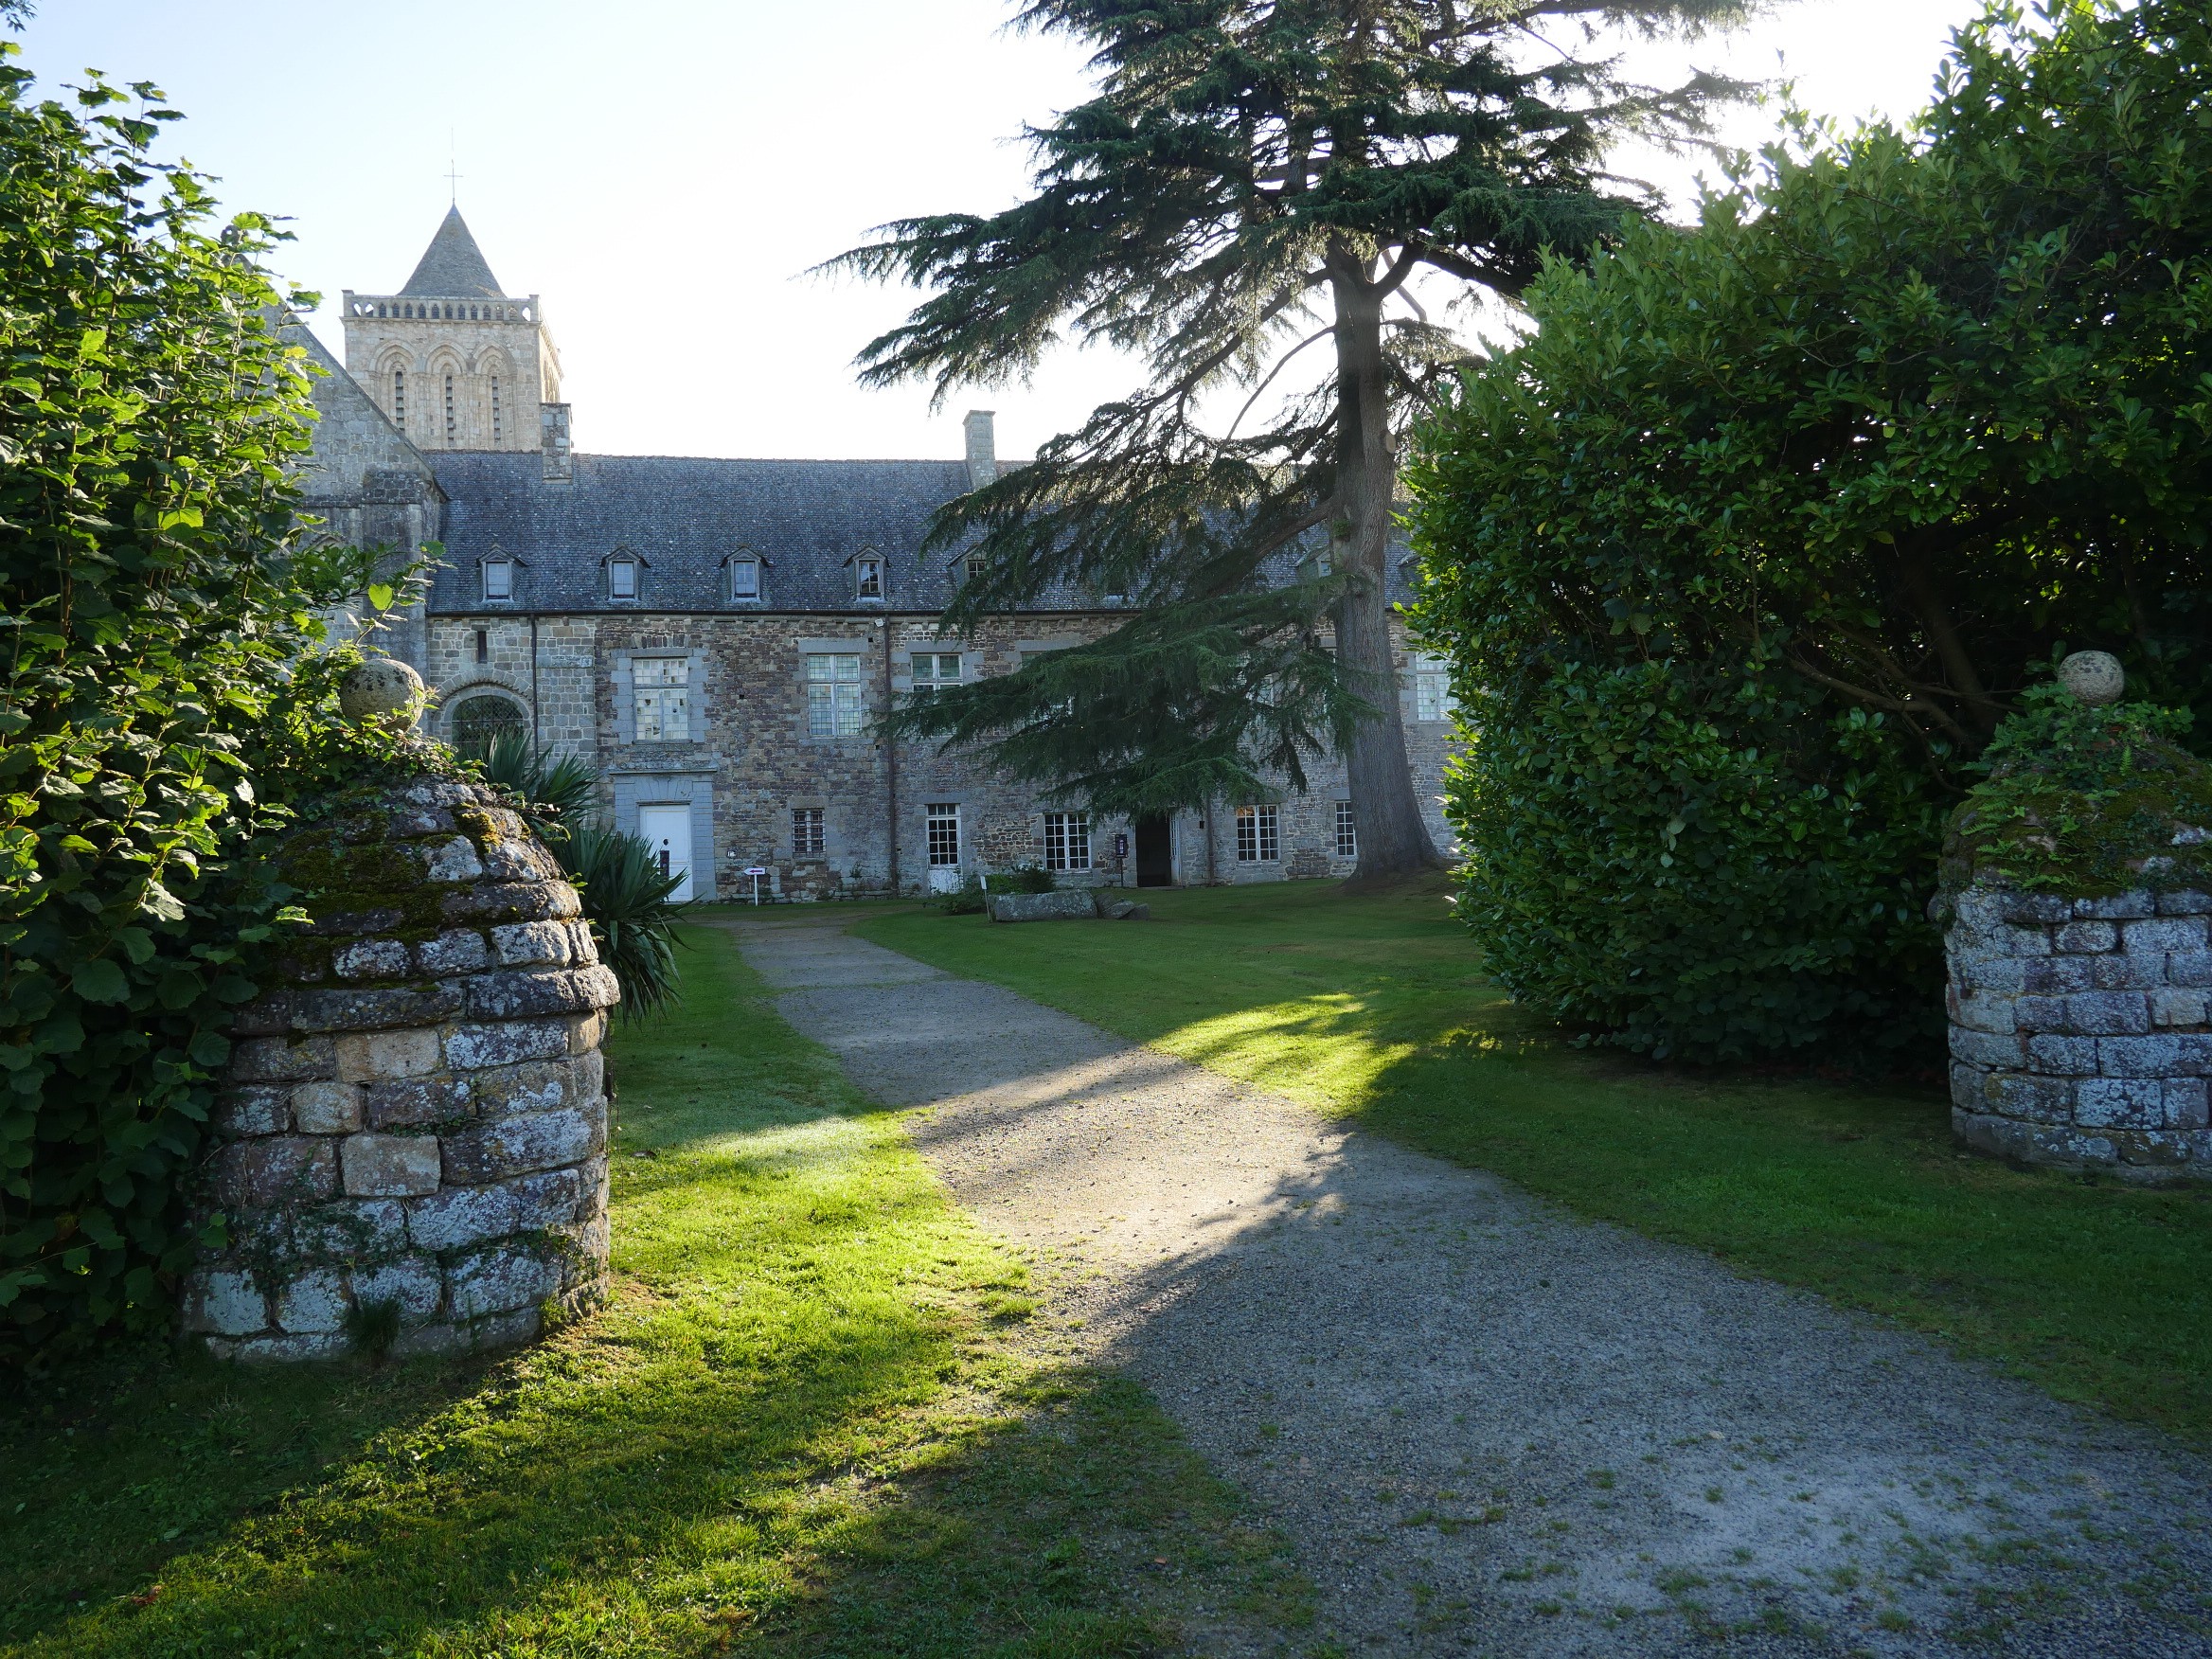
524,944
284,1348
2034,909
456,1217
456,950
1988,1048
224,1302
581,951
374,1057
519,994
2118,907
327,1108
2057,976
555,1198
539,1085
2187,1103
256,1108
2108,1013
2167,935
391,1166
2065,1057
519,861
411,1102
2000,976
470,1047
2189,968
2035,1100
375,1007
2184,902
2141,1057
415,1282
2120,1103
516,1146
370,959
494,903
1976,1012
314,1303
1967,1087
587,1032
274,1169
350,1229
2125,971
505,1330
2081,939
452,860
1131,912
434,1336
500,1281
1063,906
279,1060
2179,1007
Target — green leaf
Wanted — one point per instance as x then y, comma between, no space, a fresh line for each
100,981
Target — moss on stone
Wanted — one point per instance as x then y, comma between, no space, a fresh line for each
2085,803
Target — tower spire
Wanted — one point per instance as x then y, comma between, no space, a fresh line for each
453,265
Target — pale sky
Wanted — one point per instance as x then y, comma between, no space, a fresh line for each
664,171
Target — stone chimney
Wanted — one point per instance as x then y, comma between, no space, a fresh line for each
982,449
553,440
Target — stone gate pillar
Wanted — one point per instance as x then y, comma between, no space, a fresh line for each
411,1147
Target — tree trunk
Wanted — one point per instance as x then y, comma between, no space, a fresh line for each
1394,841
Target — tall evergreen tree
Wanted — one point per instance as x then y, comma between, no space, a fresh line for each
1254,177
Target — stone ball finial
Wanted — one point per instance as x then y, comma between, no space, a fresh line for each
2094,677
379,687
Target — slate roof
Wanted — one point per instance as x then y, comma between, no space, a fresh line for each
684,517
453,265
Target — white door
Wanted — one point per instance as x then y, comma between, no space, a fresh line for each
668,831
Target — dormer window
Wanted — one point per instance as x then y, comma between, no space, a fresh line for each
499,579
972,567
868,574
622,577
746,581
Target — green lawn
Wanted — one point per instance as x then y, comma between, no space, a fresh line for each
806,1426
1376,1007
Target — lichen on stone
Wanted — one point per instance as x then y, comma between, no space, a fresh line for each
2085,803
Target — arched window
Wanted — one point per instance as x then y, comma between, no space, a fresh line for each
477,721
400,396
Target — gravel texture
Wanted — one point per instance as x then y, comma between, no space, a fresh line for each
1484,1425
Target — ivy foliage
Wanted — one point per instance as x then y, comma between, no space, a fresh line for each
163,697
2085,802
1743,553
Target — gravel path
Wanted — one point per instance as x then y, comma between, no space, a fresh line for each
1488,1427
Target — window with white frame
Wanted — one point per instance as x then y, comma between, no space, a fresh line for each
833,694
805,831
1348,831
1068,841
499,579
1258,835
662,692
972,567
933,668
621,578
944,833
1432,688
867,576
745,579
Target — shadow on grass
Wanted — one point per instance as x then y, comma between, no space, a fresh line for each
799,1428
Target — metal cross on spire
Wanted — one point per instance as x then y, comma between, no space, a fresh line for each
453,173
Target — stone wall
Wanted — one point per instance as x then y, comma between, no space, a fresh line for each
2078,1030
750,760
415,1118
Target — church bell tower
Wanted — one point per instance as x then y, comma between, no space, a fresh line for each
456,364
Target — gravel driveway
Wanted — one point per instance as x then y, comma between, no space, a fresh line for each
1486,1426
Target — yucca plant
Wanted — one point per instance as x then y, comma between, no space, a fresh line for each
625,893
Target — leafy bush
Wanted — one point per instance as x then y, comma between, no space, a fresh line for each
1028,878
618,878
1743,554
2086,802
965,900
163,699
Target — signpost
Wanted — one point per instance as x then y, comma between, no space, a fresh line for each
755,871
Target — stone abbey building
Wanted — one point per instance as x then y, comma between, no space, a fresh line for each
716,636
